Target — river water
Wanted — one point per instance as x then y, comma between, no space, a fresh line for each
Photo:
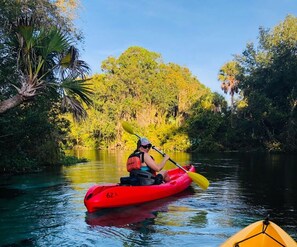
47,209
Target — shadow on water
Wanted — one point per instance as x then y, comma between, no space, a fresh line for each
253,186
22,243
28,205
272,181
9,193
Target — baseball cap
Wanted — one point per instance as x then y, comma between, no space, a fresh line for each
142,142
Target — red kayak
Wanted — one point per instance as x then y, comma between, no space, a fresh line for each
116,195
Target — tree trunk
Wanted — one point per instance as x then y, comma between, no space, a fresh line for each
12,102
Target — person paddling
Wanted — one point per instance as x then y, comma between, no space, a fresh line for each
140,160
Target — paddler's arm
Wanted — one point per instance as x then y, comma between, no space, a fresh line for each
152,164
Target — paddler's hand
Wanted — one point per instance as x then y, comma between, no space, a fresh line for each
162,164
166,157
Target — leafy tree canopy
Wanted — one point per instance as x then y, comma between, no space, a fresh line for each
268,82
139,87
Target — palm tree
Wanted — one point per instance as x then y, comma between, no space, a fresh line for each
46,59
229,83
219,103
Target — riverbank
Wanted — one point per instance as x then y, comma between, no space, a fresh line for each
24,167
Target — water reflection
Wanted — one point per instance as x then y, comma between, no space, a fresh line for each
251,186
147,221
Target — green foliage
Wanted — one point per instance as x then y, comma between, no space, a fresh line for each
72,160
32,137
42,57
35,42
138,87
204,126
268,82
163,102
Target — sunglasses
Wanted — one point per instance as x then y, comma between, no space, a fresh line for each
148,146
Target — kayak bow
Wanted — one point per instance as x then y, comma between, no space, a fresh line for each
261,234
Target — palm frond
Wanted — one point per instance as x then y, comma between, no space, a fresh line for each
70,104
71,66
56,41
46,58
78,88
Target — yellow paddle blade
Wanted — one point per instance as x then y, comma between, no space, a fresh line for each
127,127
199,179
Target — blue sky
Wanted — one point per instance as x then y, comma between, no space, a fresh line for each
201,35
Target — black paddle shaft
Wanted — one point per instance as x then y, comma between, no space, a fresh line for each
163,154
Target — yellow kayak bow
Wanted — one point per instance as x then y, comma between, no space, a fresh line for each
261,234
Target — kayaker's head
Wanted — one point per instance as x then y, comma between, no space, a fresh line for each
143,144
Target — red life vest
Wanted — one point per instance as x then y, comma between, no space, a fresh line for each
134,161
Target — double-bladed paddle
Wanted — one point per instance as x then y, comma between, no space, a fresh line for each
196,177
